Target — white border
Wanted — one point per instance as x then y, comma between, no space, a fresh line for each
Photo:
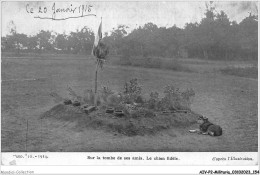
132,158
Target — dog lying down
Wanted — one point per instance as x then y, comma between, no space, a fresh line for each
207,128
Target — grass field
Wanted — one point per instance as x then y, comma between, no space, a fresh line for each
29,82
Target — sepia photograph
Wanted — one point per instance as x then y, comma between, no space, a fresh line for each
129,76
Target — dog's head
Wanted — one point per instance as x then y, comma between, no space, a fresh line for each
202,119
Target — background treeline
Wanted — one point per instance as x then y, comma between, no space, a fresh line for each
214,37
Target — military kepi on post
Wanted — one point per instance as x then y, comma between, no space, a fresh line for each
100,50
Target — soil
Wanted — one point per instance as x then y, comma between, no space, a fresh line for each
150,123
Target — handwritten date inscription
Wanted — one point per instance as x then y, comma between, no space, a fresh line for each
55,12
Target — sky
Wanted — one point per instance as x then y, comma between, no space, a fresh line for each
131,13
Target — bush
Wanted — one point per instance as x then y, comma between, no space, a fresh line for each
177,99
105,97
105,92
173,99
132,91
73,95
89,96
114,100
153,101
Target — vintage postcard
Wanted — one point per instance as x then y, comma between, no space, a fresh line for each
132,83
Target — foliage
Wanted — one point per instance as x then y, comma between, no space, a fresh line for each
173,99
132,91
214,37
153,101
109,97
73,95
80,41
131,97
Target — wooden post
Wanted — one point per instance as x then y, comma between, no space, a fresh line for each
98,62
96,74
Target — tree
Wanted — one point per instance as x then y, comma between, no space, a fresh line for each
15,40
205,33
32,43
86,36
61,42
214,37
191,39
248,32
116,38
43,41
221,36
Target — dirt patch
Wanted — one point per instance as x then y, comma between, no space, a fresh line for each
64,112
129,125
